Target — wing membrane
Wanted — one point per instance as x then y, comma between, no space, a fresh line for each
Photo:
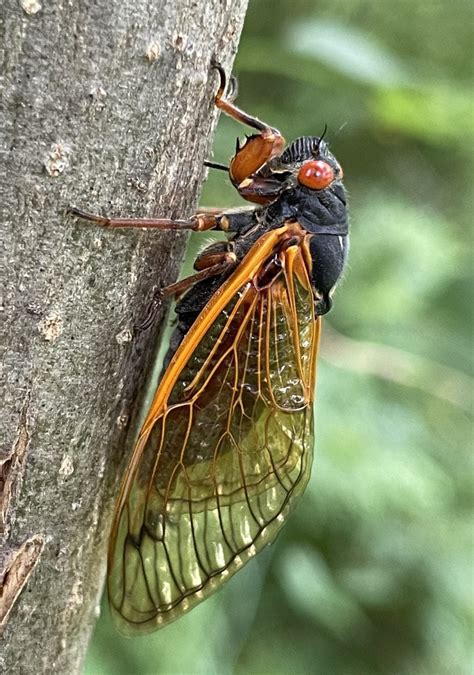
226,447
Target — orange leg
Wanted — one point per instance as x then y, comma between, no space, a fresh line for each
198,223
232,110
216,264
207,219
255,153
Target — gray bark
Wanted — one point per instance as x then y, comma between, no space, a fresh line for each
108,106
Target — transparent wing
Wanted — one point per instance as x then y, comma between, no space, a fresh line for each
225,450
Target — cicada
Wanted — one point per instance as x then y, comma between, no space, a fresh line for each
226,448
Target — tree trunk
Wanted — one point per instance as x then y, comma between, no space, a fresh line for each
108,106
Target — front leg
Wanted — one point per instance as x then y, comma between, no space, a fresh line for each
258,149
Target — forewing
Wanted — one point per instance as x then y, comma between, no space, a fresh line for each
224,452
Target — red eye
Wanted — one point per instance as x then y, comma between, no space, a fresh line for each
316,174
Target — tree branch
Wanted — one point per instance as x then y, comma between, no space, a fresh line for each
107,106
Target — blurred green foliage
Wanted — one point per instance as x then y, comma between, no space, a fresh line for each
374,572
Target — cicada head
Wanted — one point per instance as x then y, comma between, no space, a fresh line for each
306,162
309,160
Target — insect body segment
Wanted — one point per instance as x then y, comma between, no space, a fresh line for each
226,447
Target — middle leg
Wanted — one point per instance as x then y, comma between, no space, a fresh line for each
232,220
198,223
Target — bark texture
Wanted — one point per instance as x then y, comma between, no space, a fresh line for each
108,106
